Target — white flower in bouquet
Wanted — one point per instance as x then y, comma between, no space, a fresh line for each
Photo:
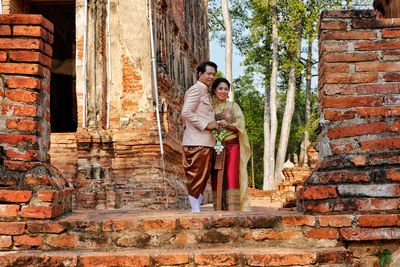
219,137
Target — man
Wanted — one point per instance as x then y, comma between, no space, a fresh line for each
198,142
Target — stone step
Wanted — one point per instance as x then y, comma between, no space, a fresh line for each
217,256
88,229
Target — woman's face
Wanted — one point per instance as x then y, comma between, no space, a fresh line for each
222,91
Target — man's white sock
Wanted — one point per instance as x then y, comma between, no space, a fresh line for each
194,202
200,200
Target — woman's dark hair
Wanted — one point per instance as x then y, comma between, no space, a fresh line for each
379,5
388,8
202,67
217,82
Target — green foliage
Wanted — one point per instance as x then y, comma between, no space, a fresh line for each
385,256
252,32
251,101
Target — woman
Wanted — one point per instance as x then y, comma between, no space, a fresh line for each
386,9
236,151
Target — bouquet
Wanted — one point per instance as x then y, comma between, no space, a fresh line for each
219,137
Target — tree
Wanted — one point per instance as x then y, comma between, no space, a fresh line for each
270,138
292,25
228,43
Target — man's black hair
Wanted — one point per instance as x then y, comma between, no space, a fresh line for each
202,67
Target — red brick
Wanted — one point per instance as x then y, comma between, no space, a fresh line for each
352,35
333,25
349,78
338,115
5,30
46,195
14,43
374,204
3,56
280,258
32,31
370,89
22,82
392,77
15,139
315,207
318,192
377,66
28,155
62,241
350,57
352,101
22,96
115,259
173,259
16,165
335,220
357,130
194,223
15,195
342,177
38,179
393,175
272,235
22,125
28,56
25,111
217,258
12,228
378,111
390,33
27,240
9,210
165,224
46,227
379,220
364,234
120,225
298,220
37,212
358,160
391,56
377,45
323,233
381,144
334,67
332,47
5,241
27,20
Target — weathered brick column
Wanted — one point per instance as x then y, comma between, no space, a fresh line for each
30,188
359,96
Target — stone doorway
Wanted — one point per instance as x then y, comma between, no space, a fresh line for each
63,103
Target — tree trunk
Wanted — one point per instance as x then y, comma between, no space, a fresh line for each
268,183
228,44
305,143
252,167
286,121
273,90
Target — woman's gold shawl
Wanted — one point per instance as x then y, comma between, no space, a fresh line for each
245,152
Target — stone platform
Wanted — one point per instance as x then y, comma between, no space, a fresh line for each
263,237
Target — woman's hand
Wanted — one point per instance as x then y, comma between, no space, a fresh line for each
222,123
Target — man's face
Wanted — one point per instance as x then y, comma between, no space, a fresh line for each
208,76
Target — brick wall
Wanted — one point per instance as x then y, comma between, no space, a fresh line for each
30,186
359,96
122,167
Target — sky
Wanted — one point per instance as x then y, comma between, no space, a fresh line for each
217,55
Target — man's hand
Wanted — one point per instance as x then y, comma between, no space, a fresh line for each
222,123
212,125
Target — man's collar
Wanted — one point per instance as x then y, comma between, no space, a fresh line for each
204,86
